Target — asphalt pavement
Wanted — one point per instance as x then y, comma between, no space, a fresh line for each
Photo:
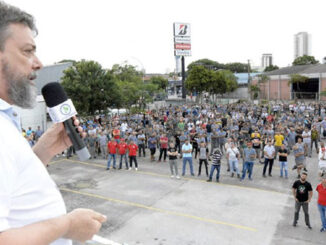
151,208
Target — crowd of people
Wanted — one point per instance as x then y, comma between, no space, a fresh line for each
242,134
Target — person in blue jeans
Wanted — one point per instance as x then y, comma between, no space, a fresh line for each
216,164
249,155
321,189
283,159
187,157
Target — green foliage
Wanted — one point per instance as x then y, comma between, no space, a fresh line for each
198,78
66,61
271,68
305,60
90,87
214,65
237,67
160,81
201,79
262,78
323,93
297,78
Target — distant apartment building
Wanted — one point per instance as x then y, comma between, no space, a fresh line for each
302,44
266,60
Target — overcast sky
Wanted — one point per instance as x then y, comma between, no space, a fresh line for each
141,31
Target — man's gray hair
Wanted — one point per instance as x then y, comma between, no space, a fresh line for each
13,15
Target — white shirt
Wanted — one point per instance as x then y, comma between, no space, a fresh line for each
269,150
308,139
27,192
232,153
321,163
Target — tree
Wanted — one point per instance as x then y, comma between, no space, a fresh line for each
305,60
271,68
254,89
237,67
297,79
67,60
161,82
207,63
262,79
198,79
90,87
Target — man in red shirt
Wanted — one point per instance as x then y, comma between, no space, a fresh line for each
116,134
321,189
132,148
163,147
122,148
112,149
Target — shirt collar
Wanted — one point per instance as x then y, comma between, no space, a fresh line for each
10,112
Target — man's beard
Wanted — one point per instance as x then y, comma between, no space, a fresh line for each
20,90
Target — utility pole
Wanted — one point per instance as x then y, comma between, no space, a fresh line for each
183,75
249,79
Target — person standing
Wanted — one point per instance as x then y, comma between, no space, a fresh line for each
269,154
132,149
122,149
321,189
299,158
278,139
141,143
203,157
249,158
187,157
173,156
103,141
302,193
163,147
283,160
112,149
233,155
216,164
306,135
314,138
152,146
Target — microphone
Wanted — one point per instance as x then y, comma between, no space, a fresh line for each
61,109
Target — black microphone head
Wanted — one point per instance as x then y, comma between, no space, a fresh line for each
54,94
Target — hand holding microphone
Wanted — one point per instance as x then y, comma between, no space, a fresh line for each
60,136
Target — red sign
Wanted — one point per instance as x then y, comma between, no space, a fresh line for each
186,46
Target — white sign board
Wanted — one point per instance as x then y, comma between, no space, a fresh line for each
179,52
182,39
182,30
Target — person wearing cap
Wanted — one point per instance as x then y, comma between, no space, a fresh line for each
321,189
249,158
302,193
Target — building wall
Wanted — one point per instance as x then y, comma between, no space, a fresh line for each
323,87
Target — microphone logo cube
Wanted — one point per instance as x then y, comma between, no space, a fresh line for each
65,109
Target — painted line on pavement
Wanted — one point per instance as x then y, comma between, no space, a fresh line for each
183,178
54,162
138,205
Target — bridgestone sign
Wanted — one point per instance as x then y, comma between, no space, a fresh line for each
182,39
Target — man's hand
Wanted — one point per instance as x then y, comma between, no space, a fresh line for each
54,141
83,224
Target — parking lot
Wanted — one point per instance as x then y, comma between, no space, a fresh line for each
149,207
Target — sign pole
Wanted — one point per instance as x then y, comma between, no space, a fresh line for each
183,74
